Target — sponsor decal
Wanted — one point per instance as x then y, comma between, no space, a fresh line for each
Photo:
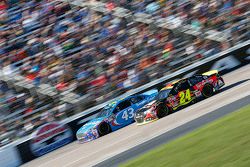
197,93
49,137
115,123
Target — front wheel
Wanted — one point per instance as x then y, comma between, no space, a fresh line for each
207,91
104,129
162,111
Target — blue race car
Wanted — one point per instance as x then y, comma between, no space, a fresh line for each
114,116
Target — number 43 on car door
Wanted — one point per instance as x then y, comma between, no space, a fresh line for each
128,114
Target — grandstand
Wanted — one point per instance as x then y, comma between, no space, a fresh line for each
56,54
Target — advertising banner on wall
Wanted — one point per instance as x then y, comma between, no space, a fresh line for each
45,139
49,137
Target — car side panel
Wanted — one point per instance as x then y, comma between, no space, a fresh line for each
122,118
126,116
210,80
181,99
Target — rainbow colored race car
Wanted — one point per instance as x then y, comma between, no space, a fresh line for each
114,116
179,94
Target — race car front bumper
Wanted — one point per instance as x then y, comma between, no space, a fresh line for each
142,118
87,137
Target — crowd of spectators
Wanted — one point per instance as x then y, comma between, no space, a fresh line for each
82,50
222,15
21,113
87,52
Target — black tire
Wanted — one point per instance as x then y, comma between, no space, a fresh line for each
104,129
208,91
162,111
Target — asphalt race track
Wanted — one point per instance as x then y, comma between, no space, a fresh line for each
173,134
101,151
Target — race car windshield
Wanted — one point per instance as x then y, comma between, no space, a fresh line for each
163,94
104,112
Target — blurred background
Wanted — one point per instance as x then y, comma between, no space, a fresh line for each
57,53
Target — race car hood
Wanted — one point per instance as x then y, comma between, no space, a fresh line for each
89,125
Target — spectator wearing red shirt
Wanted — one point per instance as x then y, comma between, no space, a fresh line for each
3,5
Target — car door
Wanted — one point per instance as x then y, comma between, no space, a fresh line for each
185,95
124,113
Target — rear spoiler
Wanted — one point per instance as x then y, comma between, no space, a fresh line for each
209,73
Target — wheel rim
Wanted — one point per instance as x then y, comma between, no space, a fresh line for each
104,129
208,91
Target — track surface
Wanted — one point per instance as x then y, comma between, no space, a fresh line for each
173,134
89,154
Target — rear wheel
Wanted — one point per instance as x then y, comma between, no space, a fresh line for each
207,91
162,111
104,129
